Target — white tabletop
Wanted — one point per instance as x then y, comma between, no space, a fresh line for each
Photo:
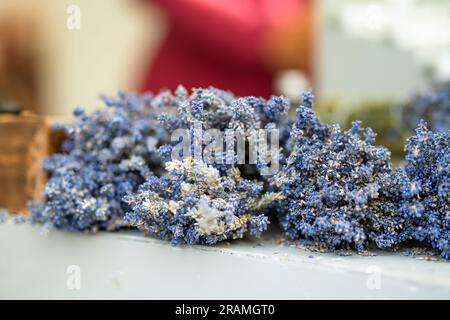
128,265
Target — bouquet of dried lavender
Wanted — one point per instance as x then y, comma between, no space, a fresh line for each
337,186
425,186
195,204
336,190
213,109
202,201
108,154
219,109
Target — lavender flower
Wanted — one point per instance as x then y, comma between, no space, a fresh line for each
212,108
108,154
337,186
219,109
425,187
195,204
336,190
199,203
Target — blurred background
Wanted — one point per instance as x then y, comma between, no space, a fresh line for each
55,55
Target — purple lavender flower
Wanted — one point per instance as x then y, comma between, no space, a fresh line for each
195,204
108,154
425,188
338,187
336,190
213,108
206,212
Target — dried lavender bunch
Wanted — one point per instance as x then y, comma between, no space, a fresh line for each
198,203
426,188
220,109
108,154
195,204
337,186
213,108
433,107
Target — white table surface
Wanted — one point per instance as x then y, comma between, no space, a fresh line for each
126,265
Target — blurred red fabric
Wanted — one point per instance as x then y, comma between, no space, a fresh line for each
218,43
